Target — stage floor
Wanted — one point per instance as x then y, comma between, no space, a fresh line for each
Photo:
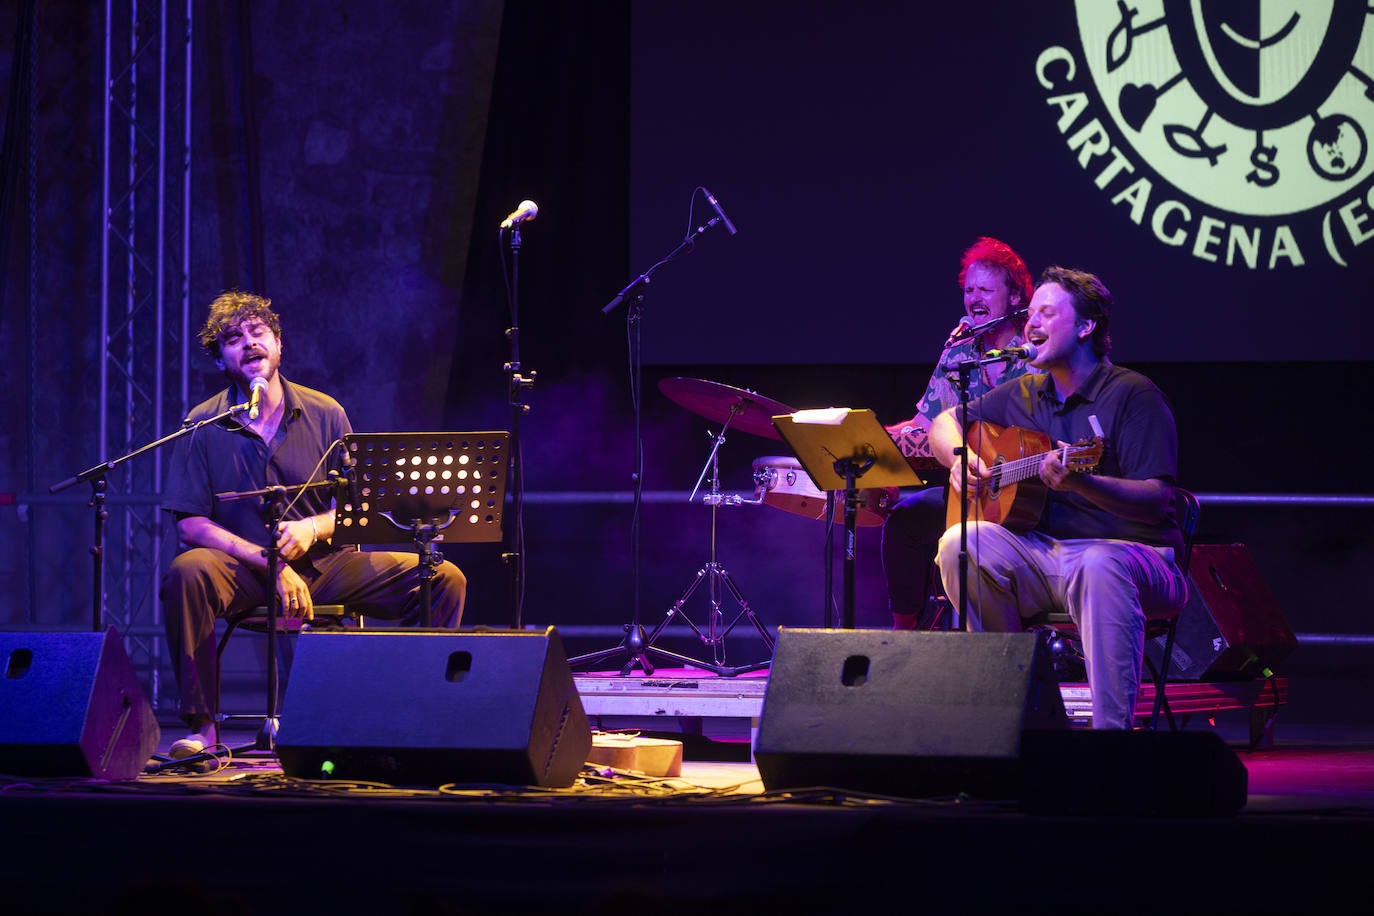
247,839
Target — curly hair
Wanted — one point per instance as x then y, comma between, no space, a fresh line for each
998,254
1091,300
231,309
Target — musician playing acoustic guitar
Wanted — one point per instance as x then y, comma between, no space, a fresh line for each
1103,547
996,287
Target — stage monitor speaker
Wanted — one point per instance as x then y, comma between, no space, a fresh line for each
909,713
419,707
1140,773
71,705
1231,627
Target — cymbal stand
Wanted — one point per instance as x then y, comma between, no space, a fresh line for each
716,576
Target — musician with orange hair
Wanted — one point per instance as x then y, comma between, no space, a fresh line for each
1103,546
996,287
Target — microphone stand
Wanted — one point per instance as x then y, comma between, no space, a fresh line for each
965,368
977,330
635,645
97,476
517,385
274,498
965,379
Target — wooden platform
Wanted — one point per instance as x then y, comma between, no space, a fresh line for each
686,694
674,693
1260,698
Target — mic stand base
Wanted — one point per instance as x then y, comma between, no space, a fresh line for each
264,745
632,645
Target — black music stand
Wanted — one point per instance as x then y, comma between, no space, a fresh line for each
836,446
431,486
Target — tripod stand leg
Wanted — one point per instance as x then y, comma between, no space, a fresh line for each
748,612
717,573
676,609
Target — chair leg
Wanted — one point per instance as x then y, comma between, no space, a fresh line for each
1161,675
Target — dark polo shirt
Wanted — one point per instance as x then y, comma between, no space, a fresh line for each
225,457
1142,443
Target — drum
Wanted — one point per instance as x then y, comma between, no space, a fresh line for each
783,483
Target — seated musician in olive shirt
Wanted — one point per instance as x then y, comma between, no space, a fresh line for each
1103,548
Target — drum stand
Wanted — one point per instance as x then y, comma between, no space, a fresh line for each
716,577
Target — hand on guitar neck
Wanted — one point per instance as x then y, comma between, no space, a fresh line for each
1005,473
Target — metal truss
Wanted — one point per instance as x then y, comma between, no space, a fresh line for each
144,298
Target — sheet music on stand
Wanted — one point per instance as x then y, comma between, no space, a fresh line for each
824,438
452,483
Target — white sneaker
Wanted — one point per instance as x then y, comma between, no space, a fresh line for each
193,744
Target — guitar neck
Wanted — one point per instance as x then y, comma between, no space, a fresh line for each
1019,469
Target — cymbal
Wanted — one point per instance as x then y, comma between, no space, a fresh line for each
746,411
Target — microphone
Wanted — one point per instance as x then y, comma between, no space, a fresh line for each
528,209
255,396
715,205
960,331
1026,352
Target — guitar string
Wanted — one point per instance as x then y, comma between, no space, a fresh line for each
1024,468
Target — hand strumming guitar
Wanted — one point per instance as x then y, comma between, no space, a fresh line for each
979,474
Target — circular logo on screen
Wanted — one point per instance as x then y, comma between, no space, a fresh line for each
1237,130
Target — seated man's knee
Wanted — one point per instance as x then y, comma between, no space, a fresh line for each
1105,562
452,586
952,542
453,577
187,567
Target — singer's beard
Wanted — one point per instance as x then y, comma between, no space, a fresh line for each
242,376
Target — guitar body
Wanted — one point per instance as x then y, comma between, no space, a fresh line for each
1012,505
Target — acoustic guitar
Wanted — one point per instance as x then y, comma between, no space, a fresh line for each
1015,496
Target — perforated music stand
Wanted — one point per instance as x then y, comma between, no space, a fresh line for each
836,446
429,487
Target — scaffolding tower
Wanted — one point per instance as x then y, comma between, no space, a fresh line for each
144,302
